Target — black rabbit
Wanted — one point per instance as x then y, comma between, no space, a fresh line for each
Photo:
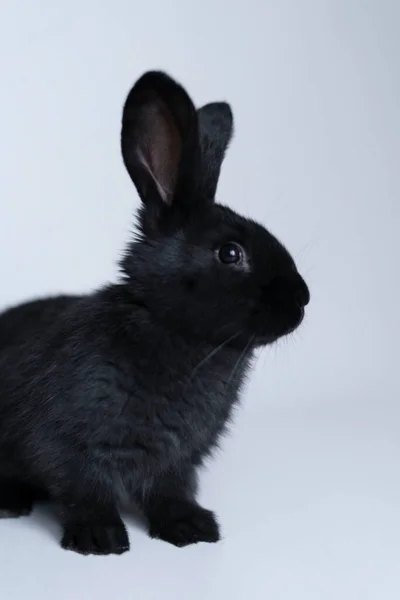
118,396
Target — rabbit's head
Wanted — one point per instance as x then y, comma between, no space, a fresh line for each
198,266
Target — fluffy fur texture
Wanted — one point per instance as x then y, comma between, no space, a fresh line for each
118,396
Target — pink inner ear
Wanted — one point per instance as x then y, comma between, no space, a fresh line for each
160,149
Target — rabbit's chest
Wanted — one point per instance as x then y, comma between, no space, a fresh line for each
173,419
201,414
190,415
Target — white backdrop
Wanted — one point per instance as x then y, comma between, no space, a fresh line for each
307,487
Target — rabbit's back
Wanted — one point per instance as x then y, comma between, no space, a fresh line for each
20,322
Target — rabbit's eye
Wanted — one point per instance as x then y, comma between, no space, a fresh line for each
230,254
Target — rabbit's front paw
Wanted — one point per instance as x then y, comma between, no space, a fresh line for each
182,523
17,499
95,538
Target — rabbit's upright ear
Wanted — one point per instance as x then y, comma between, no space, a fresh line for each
160,143
215,131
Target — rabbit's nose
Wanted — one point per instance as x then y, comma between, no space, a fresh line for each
302,294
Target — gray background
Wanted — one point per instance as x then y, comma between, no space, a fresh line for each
315,89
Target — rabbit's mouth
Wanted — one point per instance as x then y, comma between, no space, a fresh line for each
281,309
273,324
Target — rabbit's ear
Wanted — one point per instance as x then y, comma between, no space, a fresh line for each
159,141
215,131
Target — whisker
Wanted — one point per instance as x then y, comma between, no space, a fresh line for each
236,365
213,353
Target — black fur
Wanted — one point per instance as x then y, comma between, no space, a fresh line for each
118,396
